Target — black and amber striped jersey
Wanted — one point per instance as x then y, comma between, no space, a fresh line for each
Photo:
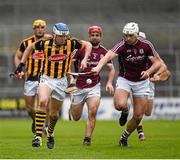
34,61
57,58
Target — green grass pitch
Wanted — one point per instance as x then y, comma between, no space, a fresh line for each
162,141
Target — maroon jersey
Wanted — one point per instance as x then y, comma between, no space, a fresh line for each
93,59
133,59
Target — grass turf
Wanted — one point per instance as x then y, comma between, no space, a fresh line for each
162,141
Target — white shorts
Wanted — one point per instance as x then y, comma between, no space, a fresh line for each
152,90
138,89
31,88
57,86
82,94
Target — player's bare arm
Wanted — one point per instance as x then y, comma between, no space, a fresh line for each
162,68
27,52
17,57
156,63
71,84
111,75
19,72
88,48
108,57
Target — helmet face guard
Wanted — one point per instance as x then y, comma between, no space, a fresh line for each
131,29
61,29
39,22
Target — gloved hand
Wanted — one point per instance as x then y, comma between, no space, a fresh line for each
19,72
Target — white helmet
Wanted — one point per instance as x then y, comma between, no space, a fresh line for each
131,28
142,35
61,29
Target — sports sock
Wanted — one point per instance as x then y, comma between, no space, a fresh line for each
140,129
39,122
125,135
52,123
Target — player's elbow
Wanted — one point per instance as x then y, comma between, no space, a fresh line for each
163,66
168,74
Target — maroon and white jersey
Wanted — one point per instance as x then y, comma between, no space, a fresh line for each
133,59
93,59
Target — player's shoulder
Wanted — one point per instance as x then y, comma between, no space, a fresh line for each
28,38
103,48
73,39
144,41
118,45
47,36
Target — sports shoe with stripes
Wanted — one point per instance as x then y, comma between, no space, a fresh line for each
50,142
50,139
123,142
37,141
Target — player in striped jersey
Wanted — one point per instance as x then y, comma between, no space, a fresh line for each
88,86
53,81
133,56
32,67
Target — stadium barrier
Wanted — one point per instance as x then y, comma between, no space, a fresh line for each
164,108
12,107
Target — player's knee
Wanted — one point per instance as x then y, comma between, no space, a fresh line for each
54,117
148,113
75,112
75,117
54,113
43,103
119,105
92,112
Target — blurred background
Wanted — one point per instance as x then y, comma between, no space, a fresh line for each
159,19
